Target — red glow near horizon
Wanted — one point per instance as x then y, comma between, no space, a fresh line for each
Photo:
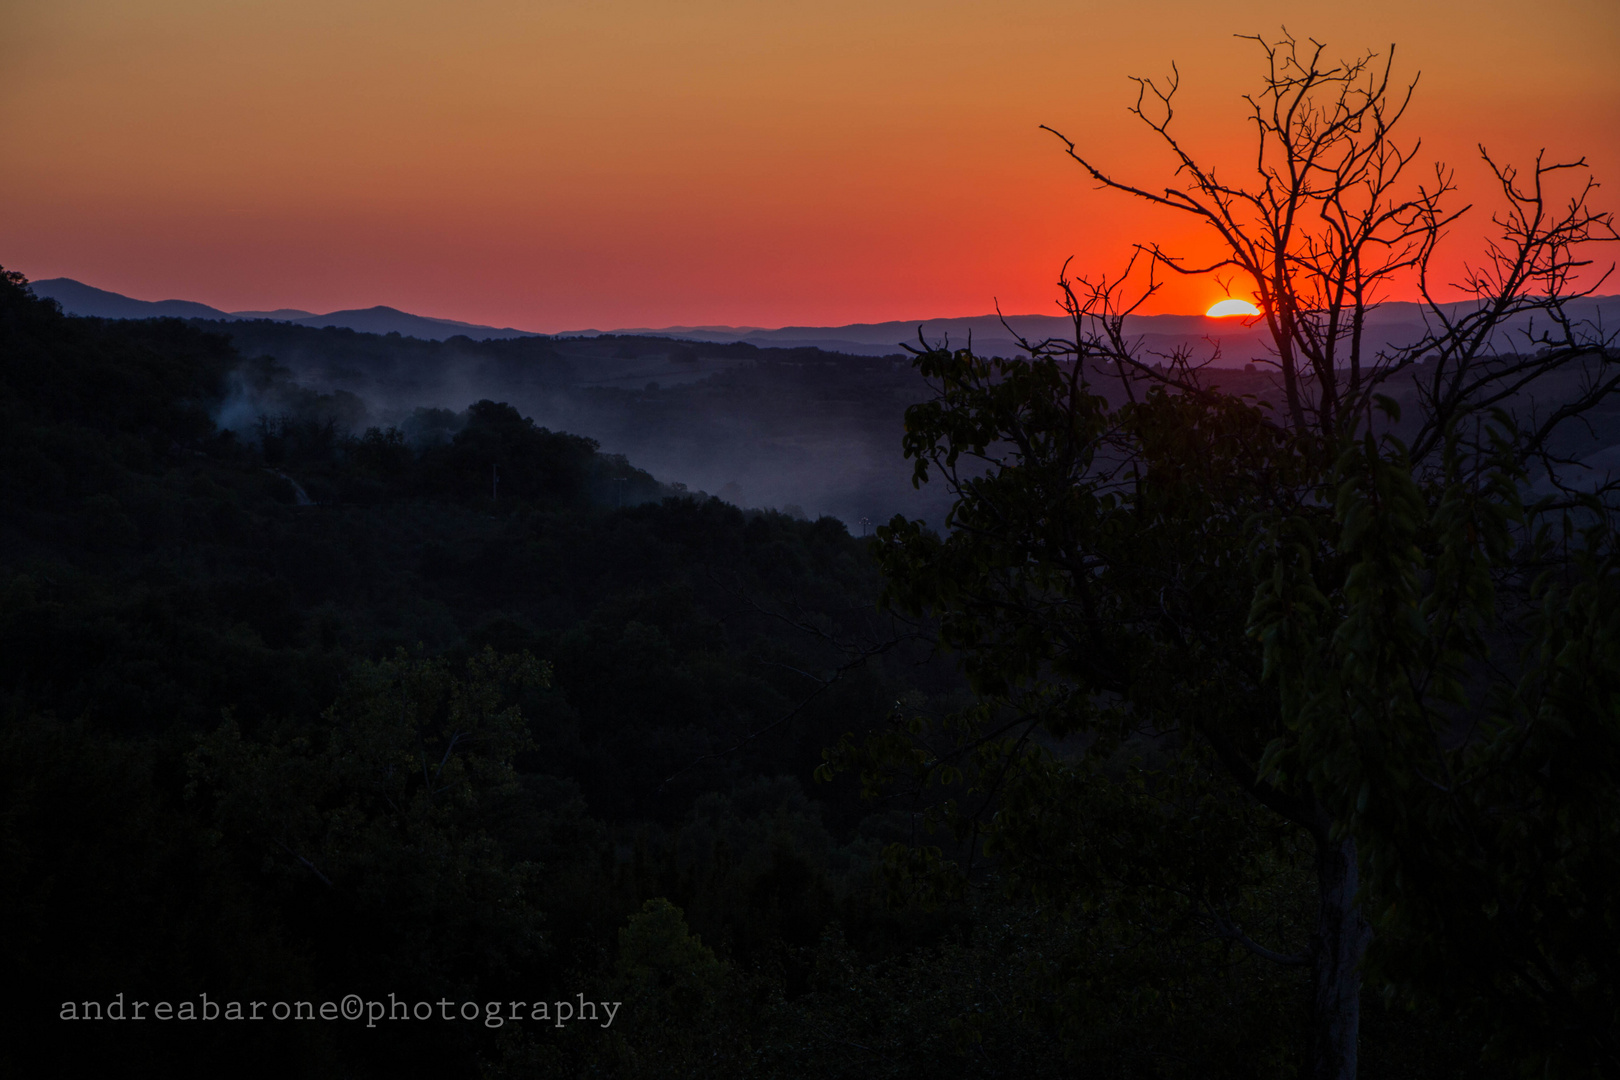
636,164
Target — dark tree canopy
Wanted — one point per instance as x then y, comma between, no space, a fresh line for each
1351,612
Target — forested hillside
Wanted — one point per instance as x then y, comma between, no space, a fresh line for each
763,428
467,708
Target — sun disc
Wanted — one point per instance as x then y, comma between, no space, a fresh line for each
1231,307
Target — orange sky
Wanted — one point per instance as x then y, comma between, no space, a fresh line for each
560,165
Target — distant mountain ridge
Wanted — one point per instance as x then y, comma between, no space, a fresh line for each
1390,325
78,298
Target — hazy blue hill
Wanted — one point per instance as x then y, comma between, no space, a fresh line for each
387,320
1393,324
989,334
285,314
78,298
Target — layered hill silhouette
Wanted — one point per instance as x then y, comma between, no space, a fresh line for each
1226,342
78,298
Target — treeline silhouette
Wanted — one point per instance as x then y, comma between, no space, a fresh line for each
466,708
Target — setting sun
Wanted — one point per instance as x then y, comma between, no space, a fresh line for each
1232,307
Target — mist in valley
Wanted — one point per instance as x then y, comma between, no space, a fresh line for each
803,430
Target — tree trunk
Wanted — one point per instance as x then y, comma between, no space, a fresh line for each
1336,951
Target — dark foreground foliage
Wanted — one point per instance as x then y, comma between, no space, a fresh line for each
466,711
